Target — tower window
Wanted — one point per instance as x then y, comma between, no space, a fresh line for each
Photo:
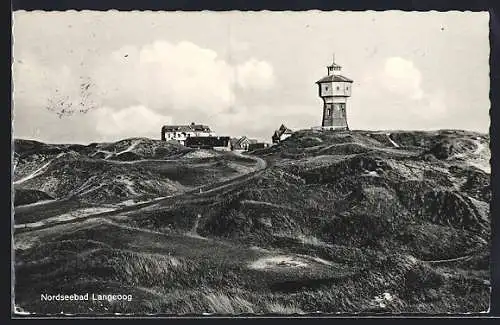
338,88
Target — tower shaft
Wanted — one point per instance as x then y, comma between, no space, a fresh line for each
334,113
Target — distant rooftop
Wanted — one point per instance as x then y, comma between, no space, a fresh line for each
186,128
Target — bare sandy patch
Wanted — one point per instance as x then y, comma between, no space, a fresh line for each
277,262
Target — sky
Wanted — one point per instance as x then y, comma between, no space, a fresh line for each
81,77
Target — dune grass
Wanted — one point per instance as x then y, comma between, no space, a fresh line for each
399,232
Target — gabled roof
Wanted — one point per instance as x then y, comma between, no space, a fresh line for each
242,140
334,78
186,128
282,130
177,128
237,143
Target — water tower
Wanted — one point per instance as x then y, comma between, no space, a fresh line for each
334,89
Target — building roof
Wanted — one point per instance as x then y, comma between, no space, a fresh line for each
238,142
334,78
242,140
186,128
282,130
246,139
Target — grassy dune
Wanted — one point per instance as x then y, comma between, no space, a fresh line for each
347,222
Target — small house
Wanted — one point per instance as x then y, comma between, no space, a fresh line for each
242,143
281,134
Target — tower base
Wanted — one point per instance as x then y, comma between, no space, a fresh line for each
332,128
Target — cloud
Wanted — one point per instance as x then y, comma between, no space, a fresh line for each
119,123
404,82
260,121
391,96
165,76
438,105
402,77
255,74
138,87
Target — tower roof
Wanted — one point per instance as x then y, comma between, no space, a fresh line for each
334,78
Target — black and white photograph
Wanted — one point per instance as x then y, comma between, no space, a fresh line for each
250,163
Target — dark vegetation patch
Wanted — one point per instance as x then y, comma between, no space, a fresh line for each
22,197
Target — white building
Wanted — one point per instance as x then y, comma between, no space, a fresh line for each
180,133
281,134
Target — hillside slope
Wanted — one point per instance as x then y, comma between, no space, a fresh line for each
114,172
358,221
